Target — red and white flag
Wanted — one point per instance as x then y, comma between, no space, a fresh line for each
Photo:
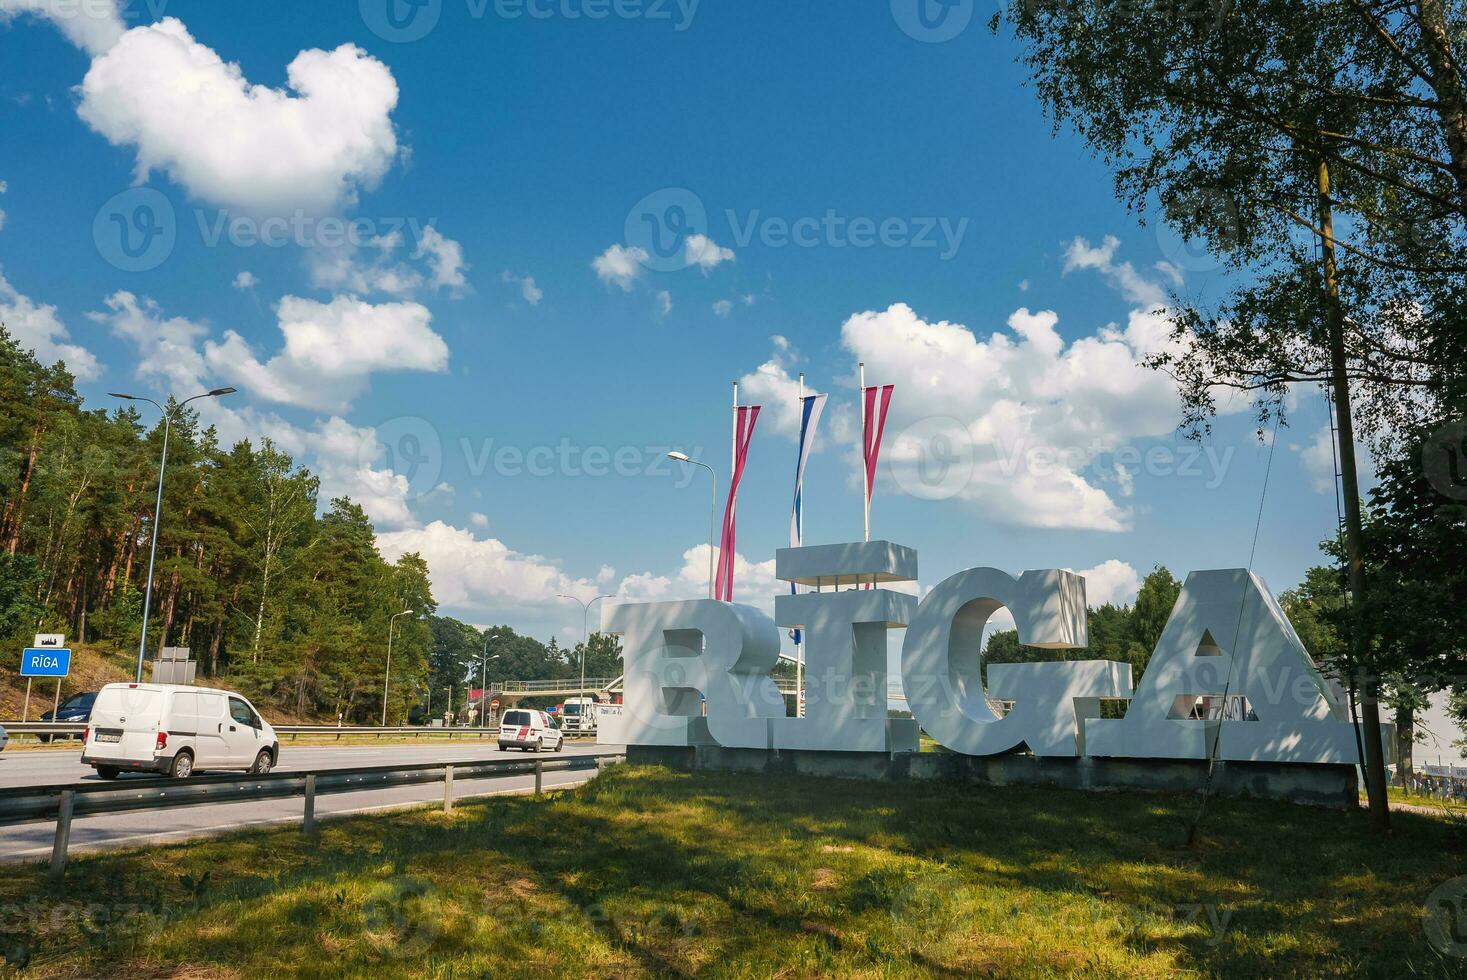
747,418
878,401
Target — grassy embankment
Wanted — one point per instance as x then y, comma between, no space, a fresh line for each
647,872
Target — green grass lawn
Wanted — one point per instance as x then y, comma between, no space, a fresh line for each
1398,795
647,872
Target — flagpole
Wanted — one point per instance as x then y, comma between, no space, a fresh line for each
865,459
733,465
800,527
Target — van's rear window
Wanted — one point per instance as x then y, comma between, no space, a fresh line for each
514,718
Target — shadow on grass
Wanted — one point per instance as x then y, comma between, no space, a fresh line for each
647,872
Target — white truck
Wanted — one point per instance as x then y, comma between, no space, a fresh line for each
579,715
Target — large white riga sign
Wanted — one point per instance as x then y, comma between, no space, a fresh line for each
1228,680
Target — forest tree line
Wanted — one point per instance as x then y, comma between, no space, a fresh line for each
277,593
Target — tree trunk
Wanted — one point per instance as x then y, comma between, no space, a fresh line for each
14,512
132,548
1375,778
1446,81
1405,738
168,608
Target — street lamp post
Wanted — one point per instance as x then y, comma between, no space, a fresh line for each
712,513
158,507
387,677
585,635
484,682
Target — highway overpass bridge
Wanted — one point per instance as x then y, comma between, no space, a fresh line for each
601,688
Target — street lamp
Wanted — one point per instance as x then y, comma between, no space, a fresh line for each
484,682
713,510
585,635
158,506
388,676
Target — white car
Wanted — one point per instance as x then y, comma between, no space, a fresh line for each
176,731
4,738
522,728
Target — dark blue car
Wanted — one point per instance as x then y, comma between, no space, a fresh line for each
76,709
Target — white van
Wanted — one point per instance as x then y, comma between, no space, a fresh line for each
522,728
176,731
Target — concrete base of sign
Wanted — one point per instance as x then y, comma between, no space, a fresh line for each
1311,784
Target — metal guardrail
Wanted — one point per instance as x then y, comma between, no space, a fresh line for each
76,728
47,729
63,803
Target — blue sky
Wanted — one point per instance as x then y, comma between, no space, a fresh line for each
496,321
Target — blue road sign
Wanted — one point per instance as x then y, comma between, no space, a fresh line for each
37,662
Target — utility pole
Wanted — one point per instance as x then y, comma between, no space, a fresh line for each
387,675
157,511
1375,781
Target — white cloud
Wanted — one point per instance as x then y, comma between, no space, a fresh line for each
705,253
347,458
1319,461
332,349
1012,420
92,25
774,385
167,347
620,266
664,303
479,521
246,280
529,292
722,307
252,147
346,269
35,326
1112,581
469,571
754,582
445,259
1146,293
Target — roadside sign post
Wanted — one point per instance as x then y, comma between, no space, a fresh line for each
48,658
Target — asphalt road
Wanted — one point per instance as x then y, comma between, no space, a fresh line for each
32,841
